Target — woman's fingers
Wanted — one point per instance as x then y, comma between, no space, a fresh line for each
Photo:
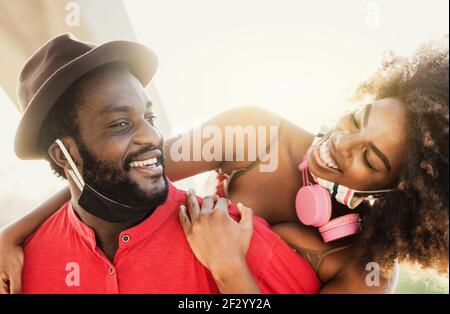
246,215
15,283
207,204
222,205
4,286
184,219
193,207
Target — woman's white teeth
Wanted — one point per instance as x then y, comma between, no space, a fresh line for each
143,163
324,154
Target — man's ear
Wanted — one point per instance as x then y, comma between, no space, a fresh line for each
55,153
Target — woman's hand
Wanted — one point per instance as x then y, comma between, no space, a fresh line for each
216,239
219,242
11,263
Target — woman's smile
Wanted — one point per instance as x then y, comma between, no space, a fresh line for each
324,156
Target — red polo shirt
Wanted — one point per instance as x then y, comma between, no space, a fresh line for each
153,257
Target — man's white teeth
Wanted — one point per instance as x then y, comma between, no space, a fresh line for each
324,154
143,163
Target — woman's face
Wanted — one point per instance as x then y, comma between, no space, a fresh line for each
364,149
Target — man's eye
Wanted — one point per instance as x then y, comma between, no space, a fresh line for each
120,124
150,118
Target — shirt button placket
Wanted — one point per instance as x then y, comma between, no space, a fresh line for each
113,285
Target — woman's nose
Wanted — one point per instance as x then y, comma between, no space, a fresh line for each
345,143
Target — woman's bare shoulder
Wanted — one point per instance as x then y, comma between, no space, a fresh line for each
299,236
339,272
358,278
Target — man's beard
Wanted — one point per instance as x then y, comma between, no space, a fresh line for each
117,185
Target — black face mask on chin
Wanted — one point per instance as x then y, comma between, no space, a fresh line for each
98,204
107,209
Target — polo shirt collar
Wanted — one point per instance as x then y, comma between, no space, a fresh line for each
136,233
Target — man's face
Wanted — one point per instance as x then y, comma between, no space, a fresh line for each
120,149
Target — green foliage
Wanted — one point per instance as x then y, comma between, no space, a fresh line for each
413,281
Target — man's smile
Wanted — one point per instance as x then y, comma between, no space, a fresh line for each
148,163
150,167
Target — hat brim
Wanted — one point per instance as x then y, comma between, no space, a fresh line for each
141,61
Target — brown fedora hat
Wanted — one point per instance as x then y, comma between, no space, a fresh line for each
58,64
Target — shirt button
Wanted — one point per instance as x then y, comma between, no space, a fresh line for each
125,238
111,270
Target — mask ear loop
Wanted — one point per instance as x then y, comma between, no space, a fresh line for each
74,173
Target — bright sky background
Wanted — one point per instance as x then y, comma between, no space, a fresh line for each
300,59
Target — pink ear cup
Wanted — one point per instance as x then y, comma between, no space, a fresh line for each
313,205
340,227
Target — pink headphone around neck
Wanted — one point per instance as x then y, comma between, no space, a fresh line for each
313,207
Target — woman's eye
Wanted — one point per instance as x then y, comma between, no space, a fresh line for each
366,160
355,122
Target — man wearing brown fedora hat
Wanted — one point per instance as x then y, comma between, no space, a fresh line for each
86,112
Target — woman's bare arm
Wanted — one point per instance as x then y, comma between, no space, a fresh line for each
236,280
14,235
238,117
17,232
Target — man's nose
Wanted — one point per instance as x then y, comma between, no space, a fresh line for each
147,134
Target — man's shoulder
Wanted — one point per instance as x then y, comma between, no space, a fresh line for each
264,241
277,267
260,226
52,228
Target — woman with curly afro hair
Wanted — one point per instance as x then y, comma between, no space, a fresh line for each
414,219
396,140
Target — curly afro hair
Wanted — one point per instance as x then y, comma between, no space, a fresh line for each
411,224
